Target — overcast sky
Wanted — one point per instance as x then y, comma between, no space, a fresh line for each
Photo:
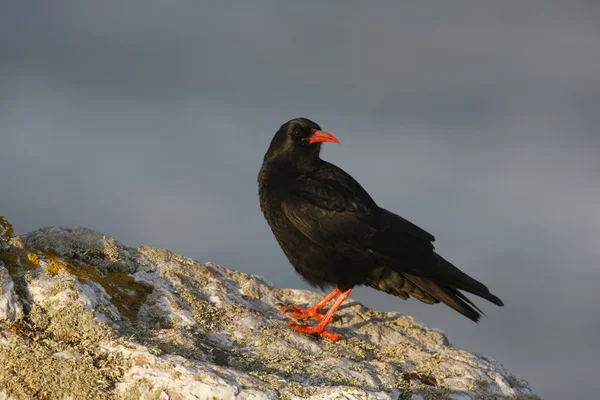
147,120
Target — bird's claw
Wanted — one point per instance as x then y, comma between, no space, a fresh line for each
314,330
287,307
300,312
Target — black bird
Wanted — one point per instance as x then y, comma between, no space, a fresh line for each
334,234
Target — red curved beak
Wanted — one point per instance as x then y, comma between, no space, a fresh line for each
320,136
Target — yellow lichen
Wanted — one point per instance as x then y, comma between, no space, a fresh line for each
54,266
8,229
32,261
81,271
126,294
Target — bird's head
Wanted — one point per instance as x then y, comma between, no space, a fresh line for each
298,141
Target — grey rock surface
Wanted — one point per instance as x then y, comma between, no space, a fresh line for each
83,316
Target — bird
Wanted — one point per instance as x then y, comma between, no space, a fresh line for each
335,235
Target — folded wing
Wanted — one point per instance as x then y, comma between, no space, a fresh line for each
338,213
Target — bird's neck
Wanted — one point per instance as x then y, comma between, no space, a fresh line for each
290,168
277,172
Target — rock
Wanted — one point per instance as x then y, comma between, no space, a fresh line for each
10,305
6,234
84,316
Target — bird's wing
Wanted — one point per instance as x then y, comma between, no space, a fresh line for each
354,192
339,214
327,213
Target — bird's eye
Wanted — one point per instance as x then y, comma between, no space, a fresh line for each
297,133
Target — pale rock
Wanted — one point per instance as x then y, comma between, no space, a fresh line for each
6,234
107,321
10,305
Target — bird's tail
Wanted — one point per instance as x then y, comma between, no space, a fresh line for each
430,291
449,296
455,278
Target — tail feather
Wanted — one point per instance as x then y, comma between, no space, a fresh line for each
467,300
434,268
449,296
405,285
454,278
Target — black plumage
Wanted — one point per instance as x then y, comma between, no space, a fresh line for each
334,234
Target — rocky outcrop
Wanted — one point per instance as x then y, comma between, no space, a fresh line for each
85,317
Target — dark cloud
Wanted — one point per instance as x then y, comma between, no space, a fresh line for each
148,121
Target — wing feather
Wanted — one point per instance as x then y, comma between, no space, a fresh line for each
339,214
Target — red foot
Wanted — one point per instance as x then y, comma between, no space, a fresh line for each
314,330
302,313
313,312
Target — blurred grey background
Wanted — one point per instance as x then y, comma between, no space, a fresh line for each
148,120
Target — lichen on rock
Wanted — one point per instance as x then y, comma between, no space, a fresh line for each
102,320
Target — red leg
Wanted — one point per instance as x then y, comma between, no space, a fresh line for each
311,312
319,329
